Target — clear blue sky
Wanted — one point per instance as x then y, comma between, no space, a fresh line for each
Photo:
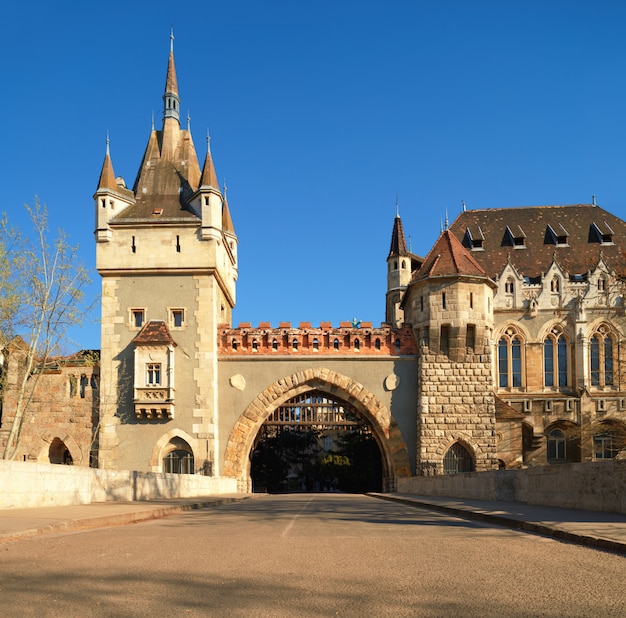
320,113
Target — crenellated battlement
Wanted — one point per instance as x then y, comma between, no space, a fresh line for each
347,339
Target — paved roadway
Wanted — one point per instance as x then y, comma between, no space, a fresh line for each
308,555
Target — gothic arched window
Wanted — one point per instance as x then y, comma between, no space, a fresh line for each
555,358
457,459
602,353
510,359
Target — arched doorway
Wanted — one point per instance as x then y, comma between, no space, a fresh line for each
242,437
58,453
315,442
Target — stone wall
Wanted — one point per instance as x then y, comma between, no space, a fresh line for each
26,485
455,404
589,486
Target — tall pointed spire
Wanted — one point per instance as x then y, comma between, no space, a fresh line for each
227,221
171,101
209,177
398,242
107,175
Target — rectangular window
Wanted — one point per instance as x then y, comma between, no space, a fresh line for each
562,361
608,362
444,341
470,337
503,364
137,317
177,318
548,362
153,374
594,356
516,363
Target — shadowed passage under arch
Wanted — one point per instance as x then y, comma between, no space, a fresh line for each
316,442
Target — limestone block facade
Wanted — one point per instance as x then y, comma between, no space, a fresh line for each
502,348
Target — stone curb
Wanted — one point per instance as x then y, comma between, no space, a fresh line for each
516,524
119,519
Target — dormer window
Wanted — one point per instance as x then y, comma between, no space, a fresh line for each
556,236
514,237
601,233
473,242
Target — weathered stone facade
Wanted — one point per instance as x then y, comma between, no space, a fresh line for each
61,407
503,347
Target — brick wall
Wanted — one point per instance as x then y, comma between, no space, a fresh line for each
325,339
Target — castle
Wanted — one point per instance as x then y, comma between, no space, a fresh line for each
501,348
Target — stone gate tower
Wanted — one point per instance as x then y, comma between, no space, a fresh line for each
167,253
449,304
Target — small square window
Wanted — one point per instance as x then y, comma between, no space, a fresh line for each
177,318
137,317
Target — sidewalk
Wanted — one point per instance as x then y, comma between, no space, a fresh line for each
590,528
22,523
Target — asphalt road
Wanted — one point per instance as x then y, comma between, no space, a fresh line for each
308,555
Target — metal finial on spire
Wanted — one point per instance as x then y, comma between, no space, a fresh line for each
152,124
440,226
108,142
397,208
188,121
464,206
410,244
208,141
172,39
593,200
225,189
447,225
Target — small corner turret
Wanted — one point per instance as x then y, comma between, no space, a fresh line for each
401,264
111,198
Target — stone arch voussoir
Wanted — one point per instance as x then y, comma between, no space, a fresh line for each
385,428
164,440
458,436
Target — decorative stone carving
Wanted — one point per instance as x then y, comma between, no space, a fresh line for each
238,382
392,381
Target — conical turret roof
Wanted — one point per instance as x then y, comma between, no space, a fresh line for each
448,258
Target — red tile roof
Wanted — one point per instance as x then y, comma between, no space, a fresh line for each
448,258
154,332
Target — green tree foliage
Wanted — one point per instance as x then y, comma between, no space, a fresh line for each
275,455
45,285
365,470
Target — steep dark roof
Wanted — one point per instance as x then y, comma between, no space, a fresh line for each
534,236
449,258
398,242
164,183
154,332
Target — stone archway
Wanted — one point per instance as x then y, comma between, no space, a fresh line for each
384,428
162,445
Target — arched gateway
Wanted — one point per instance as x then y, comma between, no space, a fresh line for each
385,430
